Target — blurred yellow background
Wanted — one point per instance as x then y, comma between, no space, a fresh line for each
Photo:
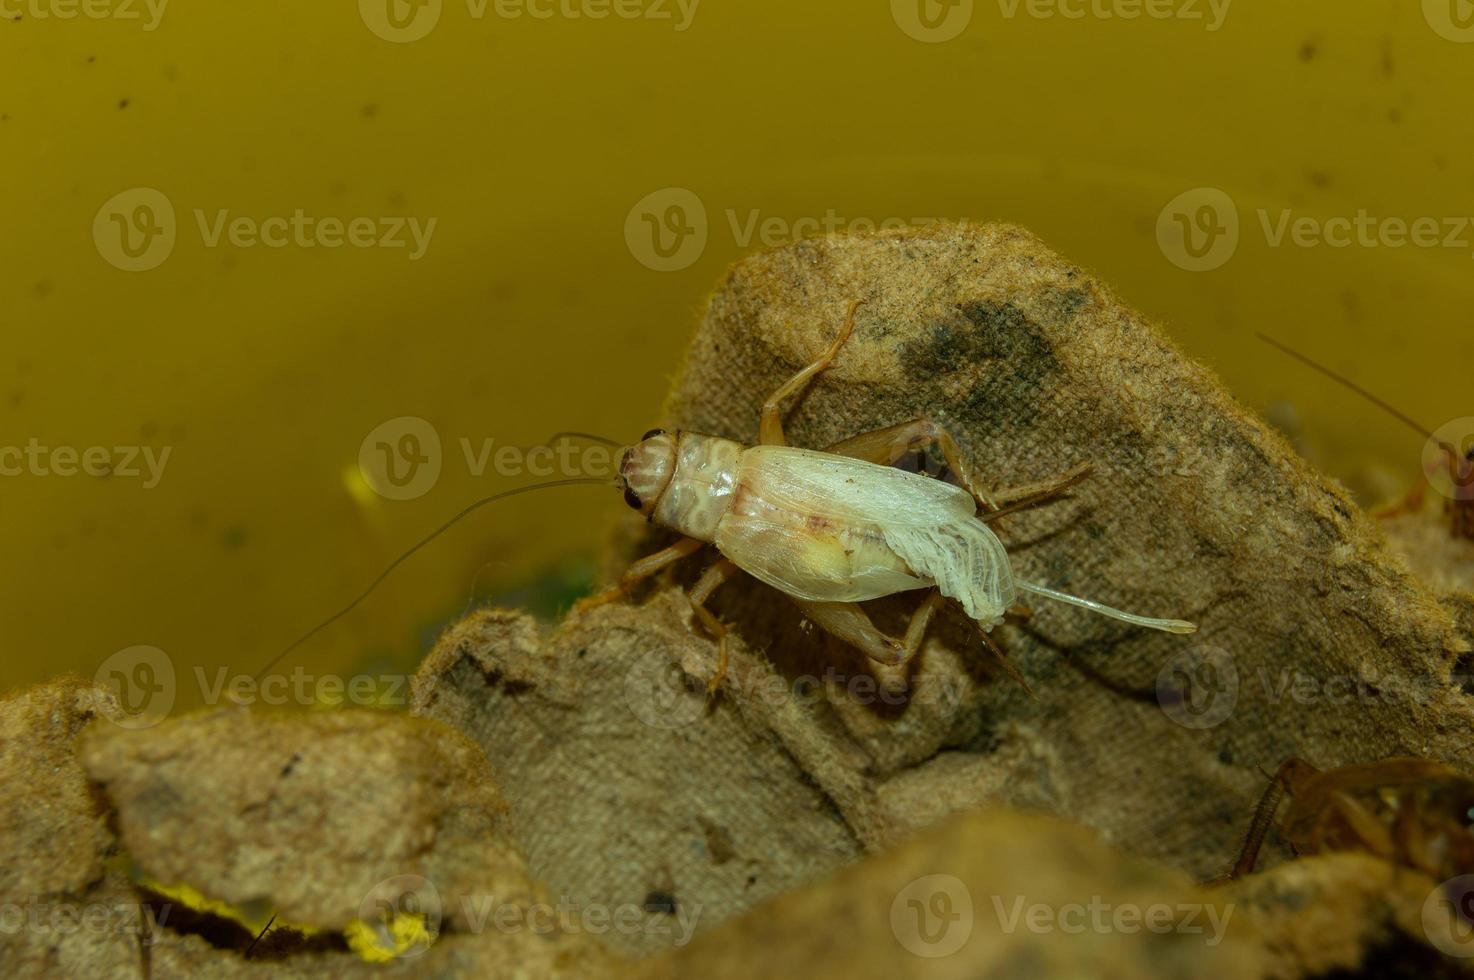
555,290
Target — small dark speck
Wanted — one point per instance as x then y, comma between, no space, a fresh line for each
1394,115
370,111
123,103
751,880
582,653
17,398
1309,50
4,117
1225,755
1319,178
660,901
43,288
233,538
92,59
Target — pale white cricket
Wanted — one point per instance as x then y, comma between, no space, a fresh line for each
834,528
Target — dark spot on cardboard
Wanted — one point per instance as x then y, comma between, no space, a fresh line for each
1000,336
657,900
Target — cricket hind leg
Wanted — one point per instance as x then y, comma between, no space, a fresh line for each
712,579
848,622
1264,813
888,445
770,424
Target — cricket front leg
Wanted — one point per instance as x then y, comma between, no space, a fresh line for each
639,571
712,579
770,424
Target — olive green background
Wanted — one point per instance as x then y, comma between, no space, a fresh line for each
544,149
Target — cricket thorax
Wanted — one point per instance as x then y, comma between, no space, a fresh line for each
702,487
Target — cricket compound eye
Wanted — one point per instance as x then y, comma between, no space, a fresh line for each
633,499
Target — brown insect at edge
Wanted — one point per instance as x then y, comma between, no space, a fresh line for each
834,528
1460,509
1414,812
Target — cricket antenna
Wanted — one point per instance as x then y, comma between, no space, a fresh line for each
464,513
1348,383
1165,625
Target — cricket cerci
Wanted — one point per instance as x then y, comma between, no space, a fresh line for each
832,529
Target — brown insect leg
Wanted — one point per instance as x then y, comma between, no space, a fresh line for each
848,621
641,570
1007,664
1362,823
711,580
1021,498
885,446
770,425
1264,816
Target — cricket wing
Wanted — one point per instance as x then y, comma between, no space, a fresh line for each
846,490
822,566
965,559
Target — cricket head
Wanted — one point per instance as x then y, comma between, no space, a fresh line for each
645,470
